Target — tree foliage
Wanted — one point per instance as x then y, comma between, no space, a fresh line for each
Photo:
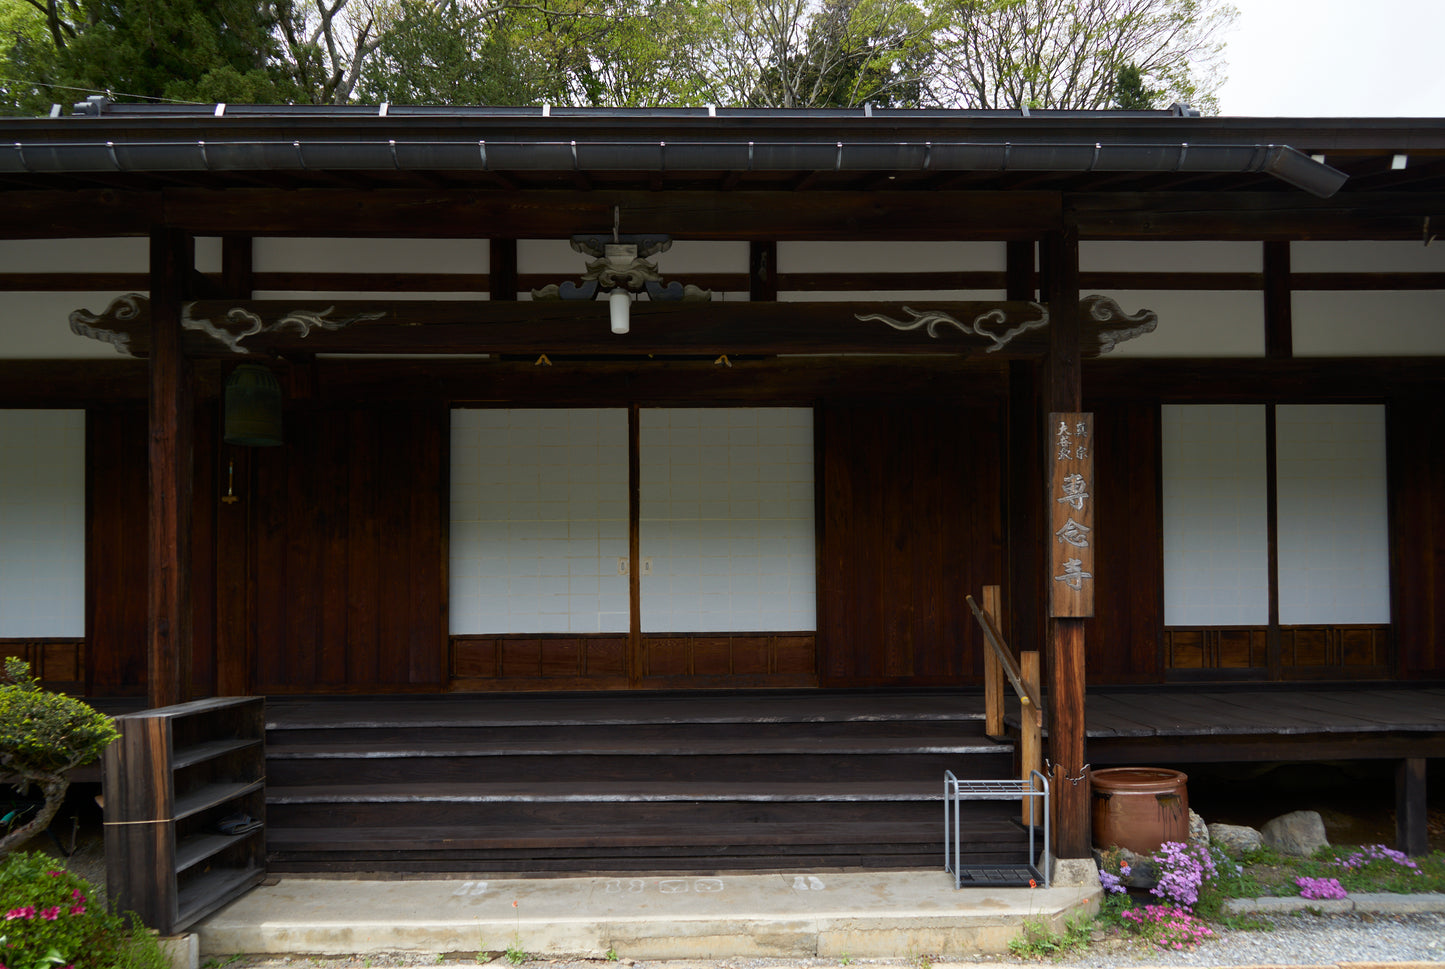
1068,53
764,53
42,736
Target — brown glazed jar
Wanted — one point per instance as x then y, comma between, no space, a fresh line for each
1139,808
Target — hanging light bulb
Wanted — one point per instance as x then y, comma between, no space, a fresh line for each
619,302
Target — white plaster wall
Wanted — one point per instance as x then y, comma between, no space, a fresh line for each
727,519
1195,324
36,326
895,257
1367,257
1334,549
283,254
1156,257
1216,555
538,521
116,255
42,523
1369,324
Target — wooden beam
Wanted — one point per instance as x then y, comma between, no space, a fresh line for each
1066,635
168,628
539,214
228,328
1281,215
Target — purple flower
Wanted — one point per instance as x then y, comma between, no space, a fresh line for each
1111,882
1320,888
51,914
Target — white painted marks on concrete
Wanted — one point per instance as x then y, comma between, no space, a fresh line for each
807,883
470,889
666,886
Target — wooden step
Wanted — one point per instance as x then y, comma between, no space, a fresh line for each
743,761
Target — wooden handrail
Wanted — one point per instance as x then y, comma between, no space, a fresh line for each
1028,700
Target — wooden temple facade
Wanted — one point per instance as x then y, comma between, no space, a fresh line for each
827,422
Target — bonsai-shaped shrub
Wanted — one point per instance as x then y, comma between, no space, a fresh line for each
51,918
42,736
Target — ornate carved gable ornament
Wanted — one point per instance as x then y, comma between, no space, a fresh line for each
1114,325
119,323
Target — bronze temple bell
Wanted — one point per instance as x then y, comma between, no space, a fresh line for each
253,407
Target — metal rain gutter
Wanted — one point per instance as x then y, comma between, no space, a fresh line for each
1281,161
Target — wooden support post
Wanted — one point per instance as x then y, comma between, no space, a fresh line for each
993,670
168,625
1411,836
1066,635
502,270
762,271
1031,740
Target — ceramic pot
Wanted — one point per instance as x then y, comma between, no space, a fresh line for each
1139,808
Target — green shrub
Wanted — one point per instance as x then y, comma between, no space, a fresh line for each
53,918
42,736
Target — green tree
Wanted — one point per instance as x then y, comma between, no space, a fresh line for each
1129,91
452,54
184,50
797,54
42,736
1053,54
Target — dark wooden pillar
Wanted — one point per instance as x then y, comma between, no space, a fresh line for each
762,271
168,626
1411,835
1278,302
502,271
1065,648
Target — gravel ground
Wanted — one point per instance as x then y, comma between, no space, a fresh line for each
1295,940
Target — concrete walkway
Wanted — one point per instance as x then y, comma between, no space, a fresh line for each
832,915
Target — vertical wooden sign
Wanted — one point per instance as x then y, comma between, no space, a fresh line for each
1071,515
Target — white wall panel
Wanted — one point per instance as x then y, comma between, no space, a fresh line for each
116,255
1155,257
1195,324
538,521
1369,324
1216,555
42,523
896,257
36,326
1366,257
1334,548
727,519
284,254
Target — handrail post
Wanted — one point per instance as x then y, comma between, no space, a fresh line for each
992,670
1030,733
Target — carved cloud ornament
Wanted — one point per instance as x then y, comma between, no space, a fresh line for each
987,325
124,324
302,321
1114,326
112,326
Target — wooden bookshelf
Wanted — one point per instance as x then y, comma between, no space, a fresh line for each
175,773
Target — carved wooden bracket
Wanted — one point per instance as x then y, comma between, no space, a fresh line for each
1114,325
125,324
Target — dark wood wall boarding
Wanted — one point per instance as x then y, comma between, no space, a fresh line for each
1416,435
349,552
909,524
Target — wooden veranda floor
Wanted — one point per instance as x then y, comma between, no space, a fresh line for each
1194,725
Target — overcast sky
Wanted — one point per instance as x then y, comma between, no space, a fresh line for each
1340,58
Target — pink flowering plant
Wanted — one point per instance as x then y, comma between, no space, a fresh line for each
1167,927
51,918
1320,888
